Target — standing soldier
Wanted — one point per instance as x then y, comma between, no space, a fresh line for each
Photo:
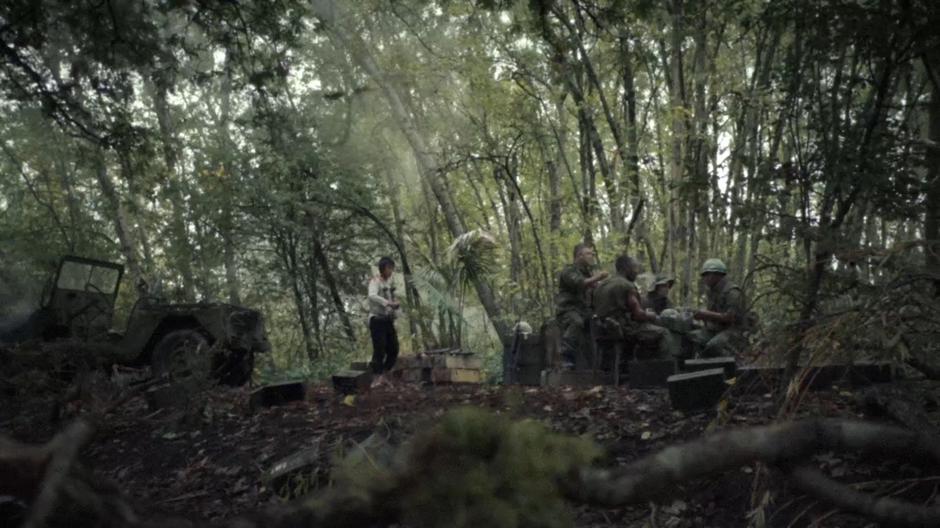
725,318
572,308
657,299
383,308
617,301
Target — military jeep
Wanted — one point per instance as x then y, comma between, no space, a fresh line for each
179,340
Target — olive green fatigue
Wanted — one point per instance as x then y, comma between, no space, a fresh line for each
722,339
656,302
572,309
610,303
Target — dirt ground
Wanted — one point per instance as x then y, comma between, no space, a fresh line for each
209,463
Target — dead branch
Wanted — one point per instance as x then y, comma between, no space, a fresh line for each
780,445
885,509
902,406
127,396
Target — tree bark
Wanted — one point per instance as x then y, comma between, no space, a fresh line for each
286,247
588,187
411,294
320,256
122,223
134,198
932,163
177,203
227,220
554,211
631,154
72,204
510,204
677,160
698,152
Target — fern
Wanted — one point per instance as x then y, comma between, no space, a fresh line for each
473,255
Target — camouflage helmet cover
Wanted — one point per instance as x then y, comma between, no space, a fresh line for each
662,280
714,265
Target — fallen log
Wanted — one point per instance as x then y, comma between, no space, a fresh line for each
55,486
900,405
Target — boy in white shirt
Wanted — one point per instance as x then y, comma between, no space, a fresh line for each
383,309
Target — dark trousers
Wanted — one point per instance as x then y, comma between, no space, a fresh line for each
384,344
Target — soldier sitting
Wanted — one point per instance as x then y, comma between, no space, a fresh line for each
617,305
725,317
575,283
658,297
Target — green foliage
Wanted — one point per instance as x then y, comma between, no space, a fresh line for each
472,255
476,468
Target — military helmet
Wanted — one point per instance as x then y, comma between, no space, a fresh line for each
661,280
714,265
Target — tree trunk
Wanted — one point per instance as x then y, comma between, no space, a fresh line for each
588,188
631,154
122,223
77,239
320,255
554,212
679,131
180,237
227,219
932,162
411,294
510,204
286,246
310,280
698,151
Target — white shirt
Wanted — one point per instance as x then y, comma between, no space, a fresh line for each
381,295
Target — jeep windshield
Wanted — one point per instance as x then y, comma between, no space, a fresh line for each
86,275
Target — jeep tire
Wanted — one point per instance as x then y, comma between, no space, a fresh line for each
182,354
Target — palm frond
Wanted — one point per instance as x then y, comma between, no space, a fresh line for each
473,253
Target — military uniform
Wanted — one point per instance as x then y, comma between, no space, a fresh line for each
657,303
572,309
723,339
610,303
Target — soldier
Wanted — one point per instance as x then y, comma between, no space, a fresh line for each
383,308
725,317
657,299
617,301
572,308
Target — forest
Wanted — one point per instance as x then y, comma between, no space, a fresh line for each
267,154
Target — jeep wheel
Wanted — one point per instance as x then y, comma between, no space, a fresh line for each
182,354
